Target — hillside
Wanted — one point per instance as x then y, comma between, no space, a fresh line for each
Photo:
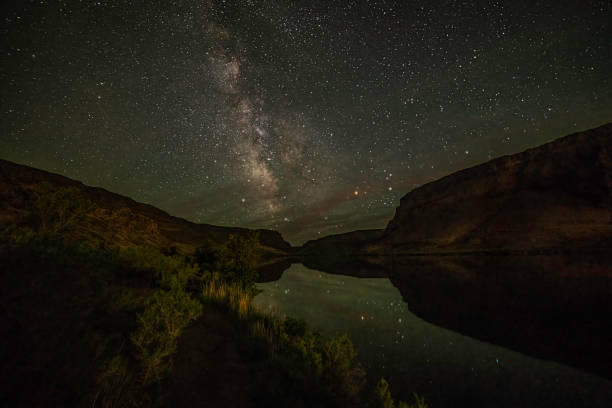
116,220
134,327
339,245
553,197
340,253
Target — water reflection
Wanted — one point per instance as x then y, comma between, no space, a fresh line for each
450,368
272,271
551,307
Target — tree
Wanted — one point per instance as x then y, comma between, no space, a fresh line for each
236,260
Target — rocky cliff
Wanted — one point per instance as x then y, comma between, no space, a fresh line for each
346,244
552,197
114,220
341,253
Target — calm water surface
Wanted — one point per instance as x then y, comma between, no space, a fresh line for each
448,368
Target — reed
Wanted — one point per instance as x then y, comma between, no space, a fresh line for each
235,296
266,327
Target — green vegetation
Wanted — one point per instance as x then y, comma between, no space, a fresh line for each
234,262
385,400
105,326
307,364
59,209
168,312
68,310
168,271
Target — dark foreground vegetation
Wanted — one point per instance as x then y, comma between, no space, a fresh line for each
137,326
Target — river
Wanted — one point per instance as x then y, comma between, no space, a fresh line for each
465,335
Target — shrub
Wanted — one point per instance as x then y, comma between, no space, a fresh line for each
167,314
60,209
339,353
206,256
235,261
344,377
168,270
383,393
294,327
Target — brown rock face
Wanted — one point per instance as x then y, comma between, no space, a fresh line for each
347,244
552,197
117,220
342,253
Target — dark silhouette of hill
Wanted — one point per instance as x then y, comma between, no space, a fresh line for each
552,198
348,243
117,220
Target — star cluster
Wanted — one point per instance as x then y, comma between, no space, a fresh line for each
306,117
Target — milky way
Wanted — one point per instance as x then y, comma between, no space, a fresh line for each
310,118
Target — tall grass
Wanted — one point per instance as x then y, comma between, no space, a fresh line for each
234,295
266,327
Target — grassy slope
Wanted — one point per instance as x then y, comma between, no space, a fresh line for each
67,310
117,221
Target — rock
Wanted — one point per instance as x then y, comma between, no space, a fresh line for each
555,197
350,243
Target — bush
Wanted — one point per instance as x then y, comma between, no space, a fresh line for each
384,394
294,327
325,367
167,314
168,270
234,261
206,256
339,353
384,399
60,209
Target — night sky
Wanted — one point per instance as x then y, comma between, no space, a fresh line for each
308,117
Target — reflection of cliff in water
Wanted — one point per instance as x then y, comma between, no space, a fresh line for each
550,307
272,271
358,267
